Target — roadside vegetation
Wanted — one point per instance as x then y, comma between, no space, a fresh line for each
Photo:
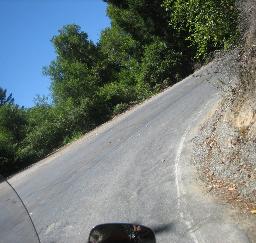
150,45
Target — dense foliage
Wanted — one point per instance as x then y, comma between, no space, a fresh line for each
149,46
208,24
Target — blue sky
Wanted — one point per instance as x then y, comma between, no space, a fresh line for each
27,27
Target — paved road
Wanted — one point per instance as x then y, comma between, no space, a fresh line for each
125,171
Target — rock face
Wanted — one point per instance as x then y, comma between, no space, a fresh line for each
245,117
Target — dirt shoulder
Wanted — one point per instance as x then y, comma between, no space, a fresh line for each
224,156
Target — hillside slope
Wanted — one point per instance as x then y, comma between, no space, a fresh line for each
225,150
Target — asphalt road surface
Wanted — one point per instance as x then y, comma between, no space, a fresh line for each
125,171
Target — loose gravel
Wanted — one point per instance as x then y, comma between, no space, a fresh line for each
225,157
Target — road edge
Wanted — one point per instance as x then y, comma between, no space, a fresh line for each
203,214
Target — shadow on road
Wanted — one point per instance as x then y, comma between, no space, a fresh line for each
162,228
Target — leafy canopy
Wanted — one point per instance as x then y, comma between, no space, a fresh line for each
209,24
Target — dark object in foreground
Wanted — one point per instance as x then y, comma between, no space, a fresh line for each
17,226
125,233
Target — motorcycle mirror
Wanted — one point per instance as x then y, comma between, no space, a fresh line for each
125,233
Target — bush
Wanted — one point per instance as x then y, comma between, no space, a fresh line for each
119,108
161,66
117,93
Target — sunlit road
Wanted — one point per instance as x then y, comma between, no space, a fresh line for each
125,171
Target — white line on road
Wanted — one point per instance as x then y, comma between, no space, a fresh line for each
187,218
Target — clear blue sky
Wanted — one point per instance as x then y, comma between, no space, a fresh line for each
27,27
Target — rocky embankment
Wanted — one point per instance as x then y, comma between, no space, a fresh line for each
225,148
225,154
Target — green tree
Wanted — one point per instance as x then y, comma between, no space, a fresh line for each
72,44
73,72
125,53
43,134
209,25
4,99
77,74
161,66
12,131
119,47
150,50
142,19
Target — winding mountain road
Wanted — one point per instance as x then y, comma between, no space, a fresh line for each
127,170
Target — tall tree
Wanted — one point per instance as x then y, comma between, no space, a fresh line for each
160,50
73,72
143,19
77,73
